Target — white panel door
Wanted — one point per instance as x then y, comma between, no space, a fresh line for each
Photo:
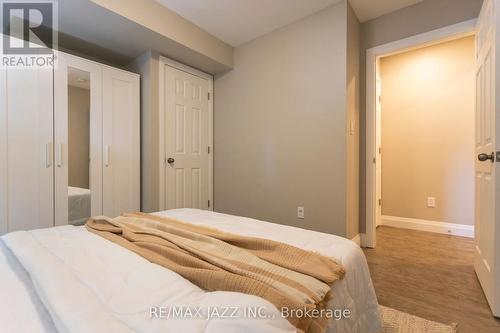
186,140
378,131
90,72
121,142
26,149
487,193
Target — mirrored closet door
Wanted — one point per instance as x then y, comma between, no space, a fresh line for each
78,140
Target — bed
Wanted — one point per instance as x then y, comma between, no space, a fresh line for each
70,280
78,205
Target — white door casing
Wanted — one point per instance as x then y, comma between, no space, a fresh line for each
487,185
459,30
121,142
3,153
26,149
61,134
187,140
378,110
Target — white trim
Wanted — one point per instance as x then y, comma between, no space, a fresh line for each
4,227
360,240
185,68
211,143
164,61
451,32
82,57
363,240
161,131
357,240
429,226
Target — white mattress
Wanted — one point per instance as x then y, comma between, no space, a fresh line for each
78,205
87,284
21,310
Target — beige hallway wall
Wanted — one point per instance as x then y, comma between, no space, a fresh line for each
428,132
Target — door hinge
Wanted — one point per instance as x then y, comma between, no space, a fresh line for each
380,202
208,203
380,150
209,149
208,96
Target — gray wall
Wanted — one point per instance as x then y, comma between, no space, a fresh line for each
78,137
353,100
282,114
147,65
280,126
422,17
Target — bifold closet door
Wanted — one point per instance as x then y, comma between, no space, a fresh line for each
121,142
26,149
78,140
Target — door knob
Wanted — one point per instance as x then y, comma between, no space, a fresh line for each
170,160
484,157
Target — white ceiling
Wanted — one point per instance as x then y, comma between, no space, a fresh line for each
370,9
239,21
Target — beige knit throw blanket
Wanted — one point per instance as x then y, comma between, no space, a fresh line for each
288,277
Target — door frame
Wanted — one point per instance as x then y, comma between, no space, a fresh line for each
373,55
164,61
4,226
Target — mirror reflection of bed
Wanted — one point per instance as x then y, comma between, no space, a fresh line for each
79,192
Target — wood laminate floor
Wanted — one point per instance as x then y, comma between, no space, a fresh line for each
431,276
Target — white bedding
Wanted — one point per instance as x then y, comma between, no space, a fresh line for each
88,284
78,205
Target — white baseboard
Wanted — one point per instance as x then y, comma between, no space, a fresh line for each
357,239
430,226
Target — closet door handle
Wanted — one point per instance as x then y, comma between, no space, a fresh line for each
106,156
59,155
48,154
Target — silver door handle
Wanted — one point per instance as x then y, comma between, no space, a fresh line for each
59,153
48,154
106,156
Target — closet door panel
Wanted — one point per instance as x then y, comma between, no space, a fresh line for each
121,142
78,140
3,152
26,149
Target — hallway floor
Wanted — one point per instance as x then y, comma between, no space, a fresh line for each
431,276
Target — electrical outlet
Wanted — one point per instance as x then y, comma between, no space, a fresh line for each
300,212
431,202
